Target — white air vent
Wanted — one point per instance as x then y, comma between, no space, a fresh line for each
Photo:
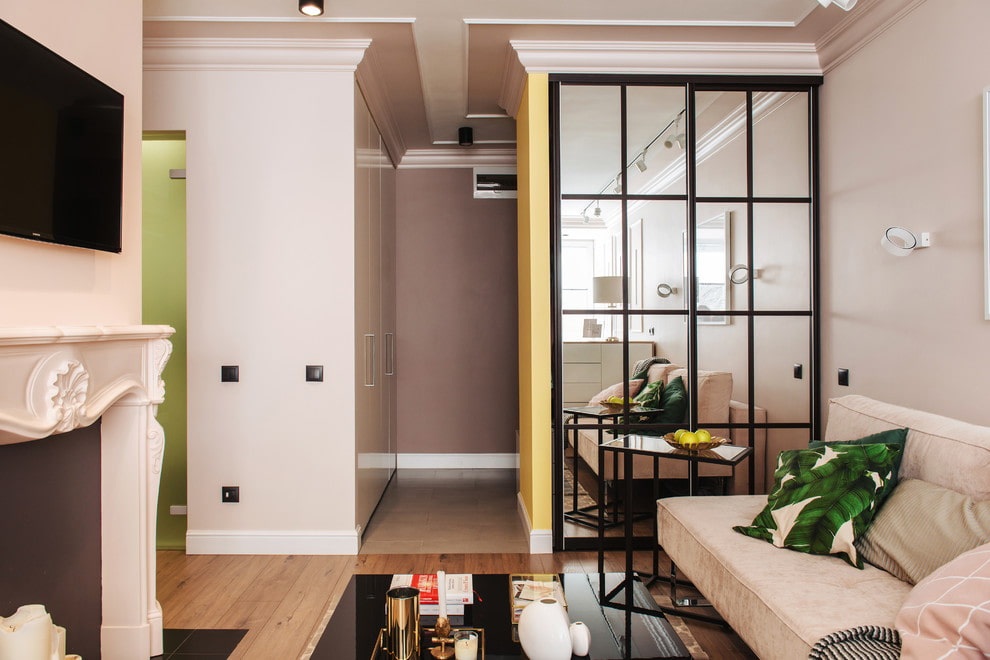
494,183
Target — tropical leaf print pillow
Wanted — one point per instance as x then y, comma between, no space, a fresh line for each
824,498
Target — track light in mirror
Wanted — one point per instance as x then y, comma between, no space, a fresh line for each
311,7
618,184
901,242
844,4
641,162
598,210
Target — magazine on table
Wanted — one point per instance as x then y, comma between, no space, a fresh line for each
527,587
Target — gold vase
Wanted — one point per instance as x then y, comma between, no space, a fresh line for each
402,623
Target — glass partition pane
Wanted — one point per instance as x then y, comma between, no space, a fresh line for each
782,257
720,124
590,141
720,254
655,143
723,372
780,344
657,276
780,144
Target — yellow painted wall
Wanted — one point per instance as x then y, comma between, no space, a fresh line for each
533,154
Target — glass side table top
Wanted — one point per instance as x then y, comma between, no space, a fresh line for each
601,412
656,446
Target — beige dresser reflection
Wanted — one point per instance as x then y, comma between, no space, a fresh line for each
591,366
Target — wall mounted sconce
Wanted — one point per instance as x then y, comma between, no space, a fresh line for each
900,242
664,290
311,7
741,273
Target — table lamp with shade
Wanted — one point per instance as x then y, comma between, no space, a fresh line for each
607,289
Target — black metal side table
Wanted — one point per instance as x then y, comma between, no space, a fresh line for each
657,448
587,516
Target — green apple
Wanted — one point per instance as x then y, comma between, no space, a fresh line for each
688,440
678,433
703,435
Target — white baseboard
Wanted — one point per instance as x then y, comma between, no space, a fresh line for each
255,542
457,461
540,540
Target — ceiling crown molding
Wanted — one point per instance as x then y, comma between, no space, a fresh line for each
651,58
219,54
371,82
452,158
869,20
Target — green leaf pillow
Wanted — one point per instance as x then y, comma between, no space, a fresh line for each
674,402
892,437
650,396
824,498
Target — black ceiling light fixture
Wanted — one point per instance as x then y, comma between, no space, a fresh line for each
465,136
311,7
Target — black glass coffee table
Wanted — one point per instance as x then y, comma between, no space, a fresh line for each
615,632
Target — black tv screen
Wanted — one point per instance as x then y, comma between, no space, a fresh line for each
62,154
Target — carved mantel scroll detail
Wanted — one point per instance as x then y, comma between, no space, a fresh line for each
68,388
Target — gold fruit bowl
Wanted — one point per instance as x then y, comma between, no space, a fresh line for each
701,446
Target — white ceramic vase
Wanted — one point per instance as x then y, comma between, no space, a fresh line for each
544,630
580,638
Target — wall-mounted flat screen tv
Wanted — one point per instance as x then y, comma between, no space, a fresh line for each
62,154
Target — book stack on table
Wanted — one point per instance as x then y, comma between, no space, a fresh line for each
460,591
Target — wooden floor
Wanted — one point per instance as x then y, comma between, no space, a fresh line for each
282,600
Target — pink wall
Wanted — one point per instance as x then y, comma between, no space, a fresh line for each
902,145
44,284
456,309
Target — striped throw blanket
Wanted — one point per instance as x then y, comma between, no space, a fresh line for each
862,643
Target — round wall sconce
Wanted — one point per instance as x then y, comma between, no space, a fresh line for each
740,274
664,290
901,242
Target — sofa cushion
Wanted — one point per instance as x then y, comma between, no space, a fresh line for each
779,602
891,437
940,450
616,390
952,524
946,615
823,499
714,394
674,402
651,395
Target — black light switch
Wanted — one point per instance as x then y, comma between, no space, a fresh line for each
230,494
230,374
314,373
798,370
843,377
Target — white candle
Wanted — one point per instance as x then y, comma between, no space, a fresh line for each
466,648
26,635
442,592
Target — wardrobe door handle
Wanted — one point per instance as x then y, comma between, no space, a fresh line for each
369,360
389,354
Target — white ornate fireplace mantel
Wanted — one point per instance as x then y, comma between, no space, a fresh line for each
55,379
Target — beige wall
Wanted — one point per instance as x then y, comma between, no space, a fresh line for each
456,308
902,145
43,284
271,267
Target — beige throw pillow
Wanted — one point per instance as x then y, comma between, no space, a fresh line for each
616,390
922,526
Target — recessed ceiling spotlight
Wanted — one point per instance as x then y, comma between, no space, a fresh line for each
311,7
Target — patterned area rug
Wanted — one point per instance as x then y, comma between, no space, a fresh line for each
682,630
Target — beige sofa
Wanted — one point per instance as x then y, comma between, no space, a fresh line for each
715,406
781,602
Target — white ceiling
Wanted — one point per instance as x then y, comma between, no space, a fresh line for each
442,62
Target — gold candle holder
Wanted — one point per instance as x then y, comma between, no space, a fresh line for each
402,623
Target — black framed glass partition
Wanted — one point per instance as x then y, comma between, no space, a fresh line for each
684,246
